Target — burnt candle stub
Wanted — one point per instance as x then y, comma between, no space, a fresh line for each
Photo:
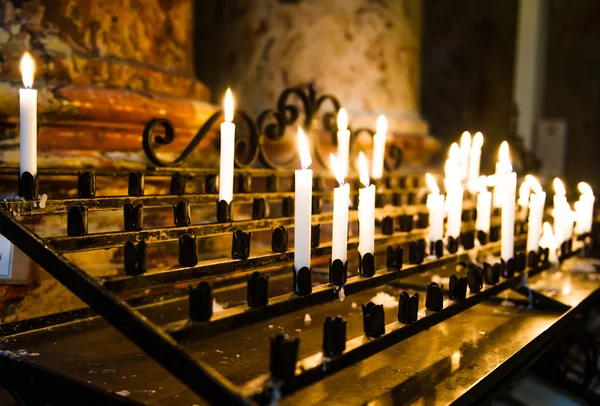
178,183
258,290
188,250
259,208
475,278
408,308
394,257
434,300
279,239
240,244
135,258
284,355
452,245
77,221
181,214
86,185
136,184
387,225
457,290
201,302
373,320
334,336
133,217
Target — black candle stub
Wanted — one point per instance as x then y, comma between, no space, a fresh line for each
482,237
317,204
406,222
284,355
77,221
422,220
287,206
201,302
181,214
315,235
136,184
188,250
434,300
279,239
273,183
416,251
244,182
334,336
452,245
508,268
258,290
133,217
373,320
387,225
436,248
28,186
366,264
411,199
394,257
318,183
178,182
380,200
211,184
408,308
532,259
135,258
457,289
259,208
223,211
397,199
302,281
521,261
467,240
86,185
475,278
338,272
565,249
494,234
240,244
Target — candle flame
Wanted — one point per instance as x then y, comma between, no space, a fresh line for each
337,169
363,169
304,149
432,184
228,106
382,125
585,189
465,140
524,192
27,69
342,119
477,140
482,184
533,184
559,187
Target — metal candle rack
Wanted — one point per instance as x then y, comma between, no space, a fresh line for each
402,225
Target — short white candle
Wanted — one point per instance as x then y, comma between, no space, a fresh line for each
379,140
507,180
366,209
341,201
343,140
227,151
560,211
484,207
435,204
585,209
548,240
28,118
537,201
475,162
465,149
303,206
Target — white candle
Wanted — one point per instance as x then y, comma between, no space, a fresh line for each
379,140
341,201
465,149
502,168
507,180
454,192
585,209
435,204
28,118
303,206
560,211
227,151
524,192
484,207
548,240
475,162
536,214
366,209
343,139
452,177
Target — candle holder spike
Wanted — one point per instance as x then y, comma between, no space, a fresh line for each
467,239
259,208
287,206
489,276
211,184
86,185
133,217
434,300
411,198
394,257
457,289
397,199
223,211
279,239
475,278
366,264
135,258
284,355
494,234
302,281
318,184
436,248
178,183
508,268
77,221
373,320
188,250
200,302
334,336
416,251
317,204
544,255
380,199
181,214
338,272
244,182
273,183
520,261
452,244
533,259
28,186
408,308
240,244
422,220
482,237
406,222
258,289
315,235
135,186
387,225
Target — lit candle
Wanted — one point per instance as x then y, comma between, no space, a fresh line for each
536,214
28,118
366,209
524,192
585,209
548,240
343,140
227,151
452,177
341,201
484,207
379,140
435,204
465,149
508,184
560,211
475,162
503,167
303,206
454,192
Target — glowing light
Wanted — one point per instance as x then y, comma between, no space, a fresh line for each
585,189
304,149
454,153
534,184
27,69
559,187
482,184
504,157
382,125
524,192
342,119
363,169
336,169
229,109
432,184
478,140
465,140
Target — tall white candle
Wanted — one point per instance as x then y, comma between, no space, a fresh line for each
452,177
435,204
366,209
379,140
343,140
548,240
507,180
227,151
537,201
503,167
454,192
28,118
465,149
475,162
484,207
560,211
341,201
585,209
303,205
